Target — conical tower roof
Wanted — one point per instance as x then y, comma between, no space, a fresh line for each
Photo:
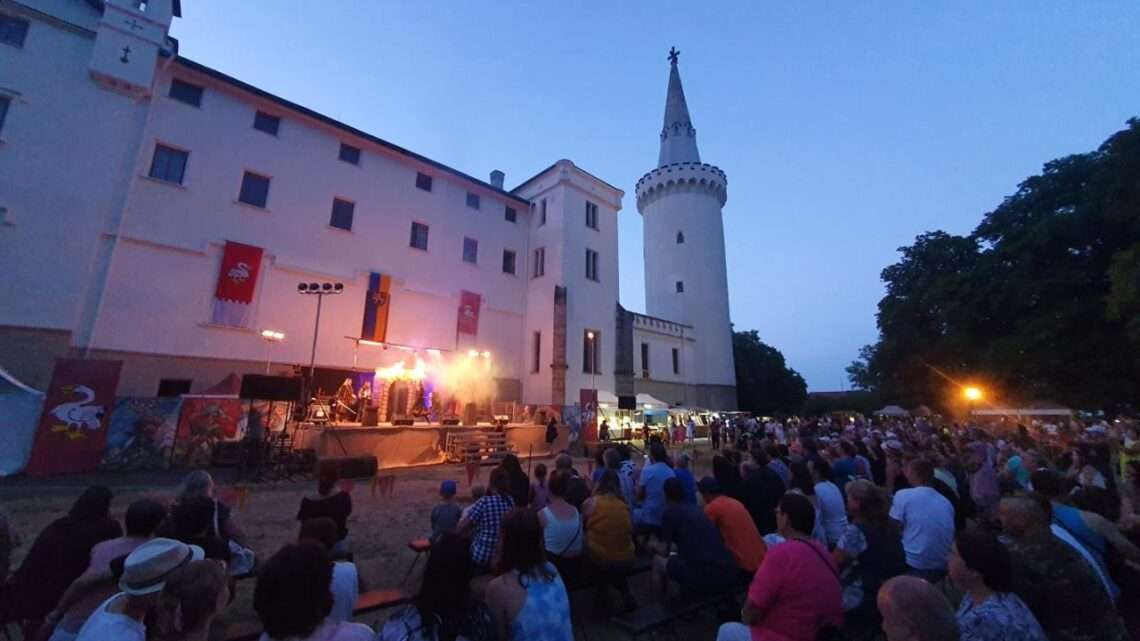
678,137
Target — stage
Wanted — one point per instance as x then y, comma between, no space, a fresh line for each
403,446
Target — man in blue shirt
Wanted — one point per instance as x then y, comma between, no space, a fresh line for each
688,483
702,563
651,489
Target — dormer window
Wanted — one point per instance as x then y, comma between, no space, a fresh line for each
680,238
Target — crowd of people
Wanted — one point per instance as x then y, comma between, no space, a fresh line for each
921,529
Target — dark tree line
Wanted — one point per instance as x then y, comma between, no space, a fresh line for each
1041,301
765,385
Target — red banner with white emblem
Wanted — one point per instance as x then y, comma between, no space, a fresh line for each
468,313
237,280
77,411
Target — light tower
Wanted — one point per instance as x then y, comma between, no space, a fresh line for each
685,276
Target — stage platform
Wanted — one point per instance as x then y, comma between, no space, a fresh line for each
403,446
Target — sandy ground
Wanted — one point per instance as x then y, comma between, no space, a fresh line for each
379,529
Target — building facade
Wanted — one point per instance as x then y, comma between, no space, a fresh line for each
117,218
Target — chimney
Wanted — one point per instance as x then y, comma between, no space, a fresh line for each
497,178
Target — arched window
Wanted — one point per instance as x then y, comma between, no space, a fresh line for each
680,238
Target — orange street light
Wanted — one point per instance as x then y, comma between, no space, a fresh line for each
972,393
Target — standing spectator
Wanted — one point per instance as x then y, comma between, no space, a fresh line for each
1059,586
702,562
529,600
145,570
981,568
927,521
735,525
626,475
577,491
345,584
829,501
444,608
651,489
845,468
97,582
761,490
714,434
562,529
609,539
293,598
486,517
539,494
517,480
984,487
337,506
688,483
58,556
445,515
796,592
727,474
551,434
192,596
777,462
869,552
915,610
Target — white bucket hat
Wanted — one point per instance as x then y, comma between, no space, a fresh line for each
146,569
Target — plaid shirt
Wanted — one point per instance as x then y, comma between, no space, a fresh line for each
487,514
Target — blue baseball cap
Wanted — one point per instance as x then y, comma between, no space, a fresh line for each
448,488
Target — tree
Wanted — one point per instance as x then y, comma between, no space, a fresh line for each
764,383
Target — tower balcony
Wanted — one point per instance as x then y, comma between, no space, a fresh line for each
682,177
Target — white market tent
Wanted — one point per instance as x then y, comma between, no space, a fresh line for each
892,410
607,398
647,402
20,408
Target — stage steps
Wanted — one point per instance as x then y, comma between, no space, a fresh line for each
477,446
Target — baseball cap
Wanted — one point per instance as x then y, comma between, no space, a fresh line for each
448,488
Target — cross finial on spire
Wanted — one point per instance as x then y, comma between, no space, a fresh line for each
673,55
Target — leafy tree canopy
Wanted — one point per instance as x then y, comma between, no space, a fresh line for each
764,382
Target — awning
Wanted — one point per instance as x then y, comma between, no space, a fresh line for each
647,402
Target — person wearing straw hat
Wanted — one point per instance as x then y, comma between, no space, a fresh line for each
120,618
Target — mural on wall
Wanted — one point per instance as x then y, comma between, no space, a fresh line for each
73,427
141,434
204,422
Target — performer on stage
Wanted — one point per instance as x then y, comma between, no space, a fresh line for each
345,401
365,400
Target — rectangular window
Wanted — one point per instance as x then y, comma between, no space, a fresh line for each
511,215
536,353
254,189
591,265
591,215
539,264
680,287
419,236
172,387
473,200
168,164
342,211
591,350
4,103
186,92
423,181
508,261
676,361
470,251
349,154
13,30
542,213
645,360
266,122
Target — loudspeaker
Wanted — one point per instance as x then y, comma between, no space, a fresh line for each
260,387
371,416
627,402
404,421
348,467
450,421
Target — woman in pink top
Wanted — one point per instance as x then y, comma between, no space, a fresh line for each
796,591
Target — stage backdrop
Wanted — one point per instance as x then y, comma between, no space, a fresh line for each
205,420
141,434
588,399
73,427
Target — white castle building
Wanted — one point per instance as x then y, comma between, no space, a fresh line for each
128,174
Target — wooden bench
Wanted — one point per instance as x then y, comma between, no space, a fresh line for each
652,617
369,602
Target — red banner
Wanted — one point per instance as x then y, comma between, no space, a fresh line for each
588,398
204,422
237,280
77,412
469,313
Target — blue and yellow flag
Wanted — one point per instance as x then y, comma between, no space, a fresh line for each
376,304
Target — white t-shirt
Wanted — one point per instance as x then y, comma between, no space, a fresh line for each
345,591
333,631
928,526
109,626
832,511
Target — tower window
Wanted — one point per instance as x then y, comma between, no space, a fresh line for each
680,238
538,268
645,360
473,200
591,215
419,238
536,353
349,154
511,214
592,265
341,216
680,287
470,251
254,189
186,92
676,361
423,181
266,122
542,213
168,164
508,261
13,30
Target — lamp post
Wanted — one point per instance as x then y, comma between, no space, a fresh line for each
593,364
320,290
270,336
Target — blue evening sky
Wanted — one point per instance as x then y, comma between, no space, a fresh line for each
845,128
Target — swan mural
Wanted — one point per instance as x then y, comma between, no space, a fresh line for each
77,417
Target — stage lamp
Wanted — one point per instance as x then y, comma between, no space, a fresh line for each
473,353
301,287
272,335
486,354
972,393
326,286
314,287
339,287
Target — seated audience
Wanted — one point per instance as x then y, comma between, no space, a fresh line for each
651,489
444,608
981,568
145,571
915,610
683,474
727,474
199,483
446,515
609,540
702,562
832,513
190,600
577,490
869,551
761,490
331,502
529,600
562,529
478,491
1061,589
97,582
796,592
192,522
517,480
539,495
58,556
346,584
847,467
486,519
735,525
927,521
293,598
777,463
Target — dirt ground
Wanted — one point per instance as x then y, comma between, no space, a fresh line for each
379,529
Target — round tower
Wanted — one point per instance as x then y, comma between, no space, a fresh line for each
685,276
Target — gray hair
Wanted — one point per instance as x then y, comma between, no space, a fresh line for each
563,462
612,458
920,607
196,483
